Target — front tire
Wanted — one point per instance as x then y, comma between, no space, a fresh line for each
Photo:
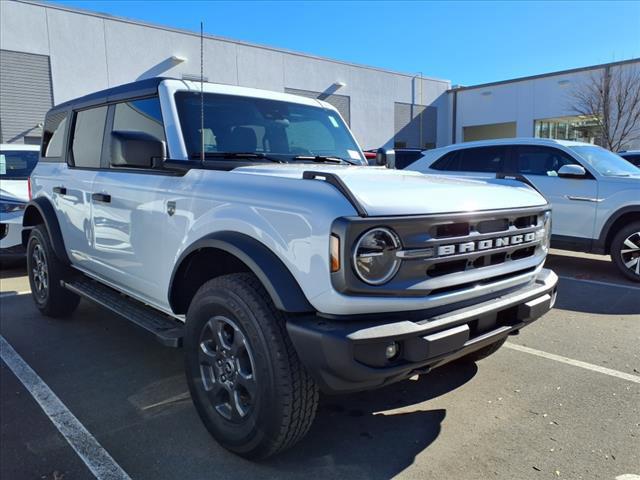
46,272
245,378
625,251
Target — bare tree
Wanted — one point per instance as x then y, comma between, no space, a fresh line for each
612,98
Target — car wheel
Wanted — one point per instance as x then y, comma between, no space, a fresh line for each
245,378
484,352
46,272
625,251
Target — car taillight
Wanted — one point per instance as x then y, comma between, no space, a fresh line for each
29,187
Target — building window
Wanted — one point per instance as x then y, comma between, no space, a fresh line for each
578,128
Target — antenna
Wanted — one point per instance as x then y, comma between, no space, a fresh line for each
202,92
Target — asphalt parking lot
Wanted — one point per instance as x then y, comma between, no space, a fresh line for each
561,400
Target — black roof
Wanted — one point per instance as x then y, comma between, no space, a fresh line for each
139,88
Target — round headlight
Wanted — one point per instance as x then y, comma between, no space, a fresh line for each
374,256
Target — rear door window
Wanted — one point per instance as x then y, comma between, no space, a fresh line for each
17,164
88,134
545,161
483,159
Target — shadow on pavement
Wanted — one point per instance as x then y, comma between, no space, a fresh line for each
13,269
586,267
579,296
375,434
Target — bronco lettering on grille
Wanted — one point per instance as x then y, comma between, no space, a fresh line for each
487,244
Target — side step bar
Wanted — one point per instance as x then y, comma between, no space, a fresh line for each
166,330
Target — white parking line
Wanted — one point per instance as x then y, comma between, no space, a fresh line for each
13,294
575,363
598,282
96,458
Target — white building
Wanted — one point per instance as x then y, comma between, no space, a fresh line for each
537,106
51,53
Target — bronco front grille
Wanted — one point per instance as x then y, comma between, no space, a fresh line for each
449,252
477,243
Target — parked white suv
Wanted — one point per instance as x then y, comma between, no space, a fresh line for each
263,245
594,193
16,164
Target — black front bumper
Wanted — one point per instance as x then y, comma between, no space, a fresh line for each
347,356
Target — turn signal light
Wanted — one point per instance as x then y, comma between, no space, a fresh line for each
334,253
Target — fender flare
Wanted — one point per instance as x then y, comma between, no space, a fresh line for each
276,278
41,208
600,244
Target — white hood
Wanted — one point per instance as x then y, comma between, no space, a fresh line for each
382,191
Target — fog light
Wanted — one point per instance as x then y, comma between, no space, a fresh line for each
392,350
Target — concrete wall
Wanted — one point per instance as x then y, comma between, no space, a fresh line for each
522,101
89,52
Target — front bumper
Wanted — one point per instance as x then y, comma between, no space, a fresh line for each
11,240
346,356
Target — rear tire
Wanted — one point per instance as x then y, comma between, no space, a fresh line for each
46,272
484,352
245,378
625,251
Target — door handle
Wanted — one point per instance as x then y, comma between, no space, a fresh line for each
583,199
101,197
60,190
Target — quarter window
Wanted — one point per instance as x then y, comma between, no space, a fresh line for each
532,160
88,134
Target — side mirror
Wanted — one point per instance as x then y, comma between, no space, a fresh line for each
386,158
136,149
572,171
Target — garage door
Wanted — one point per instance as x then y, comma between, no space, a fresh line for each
25,96
415,126
341,102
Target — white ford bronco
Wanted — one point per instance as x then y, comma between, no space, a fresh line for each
243,226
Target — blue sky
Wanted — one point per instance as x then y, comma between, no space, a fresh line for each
465,42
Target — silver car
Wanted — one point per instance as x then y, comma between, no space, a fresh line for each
594,193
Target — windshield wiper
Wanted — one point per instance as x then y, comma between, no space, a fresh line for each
322,159
233,155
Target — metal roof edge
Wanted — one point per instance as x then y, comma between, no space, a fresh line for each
107,16
544,75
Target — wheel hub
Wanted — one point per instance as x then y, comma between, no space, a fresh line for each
630,253
39,271
227,368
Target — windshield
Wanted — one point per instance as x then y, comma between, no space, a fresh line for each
17,164
605,162
275,128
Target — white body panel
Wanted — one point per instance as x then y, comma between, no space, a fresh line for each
133,243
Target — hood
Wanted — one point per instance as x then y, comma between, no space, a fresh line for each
382,191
